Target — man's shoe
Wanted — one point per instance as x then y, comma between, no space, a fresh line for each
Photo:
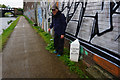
58,55
55,52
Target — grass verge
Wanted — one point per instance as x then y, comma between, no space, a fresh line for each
6,33
65,58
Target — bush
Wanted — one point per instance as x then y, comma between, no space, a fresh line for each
9,21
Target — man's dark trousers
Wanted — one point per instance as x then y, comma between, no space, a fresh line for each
58,44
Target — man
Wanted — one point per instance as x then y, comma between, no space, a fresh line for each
59,24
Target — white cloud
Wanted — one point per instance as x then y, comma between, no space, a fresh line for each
12,3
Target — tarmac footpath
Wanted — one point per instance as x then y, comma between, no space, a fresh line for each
25,56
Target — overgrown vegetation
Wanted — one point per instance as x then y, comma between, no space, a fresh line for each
65,58
6,33
9,21
72,66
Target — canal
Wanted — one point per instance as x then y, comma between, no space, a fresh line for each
4,23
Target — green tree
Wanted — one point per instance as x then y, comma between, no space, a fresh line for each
20,9
4,6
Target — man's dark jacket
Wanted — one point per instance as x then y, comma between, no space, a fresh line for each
59,23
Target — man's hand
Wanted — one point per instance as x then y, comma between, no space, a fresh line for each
49,29
62,36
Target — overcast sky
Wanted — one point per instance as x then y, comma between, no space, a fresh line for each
13,3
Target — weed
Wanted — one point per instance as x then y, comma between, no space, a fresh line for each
50,46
